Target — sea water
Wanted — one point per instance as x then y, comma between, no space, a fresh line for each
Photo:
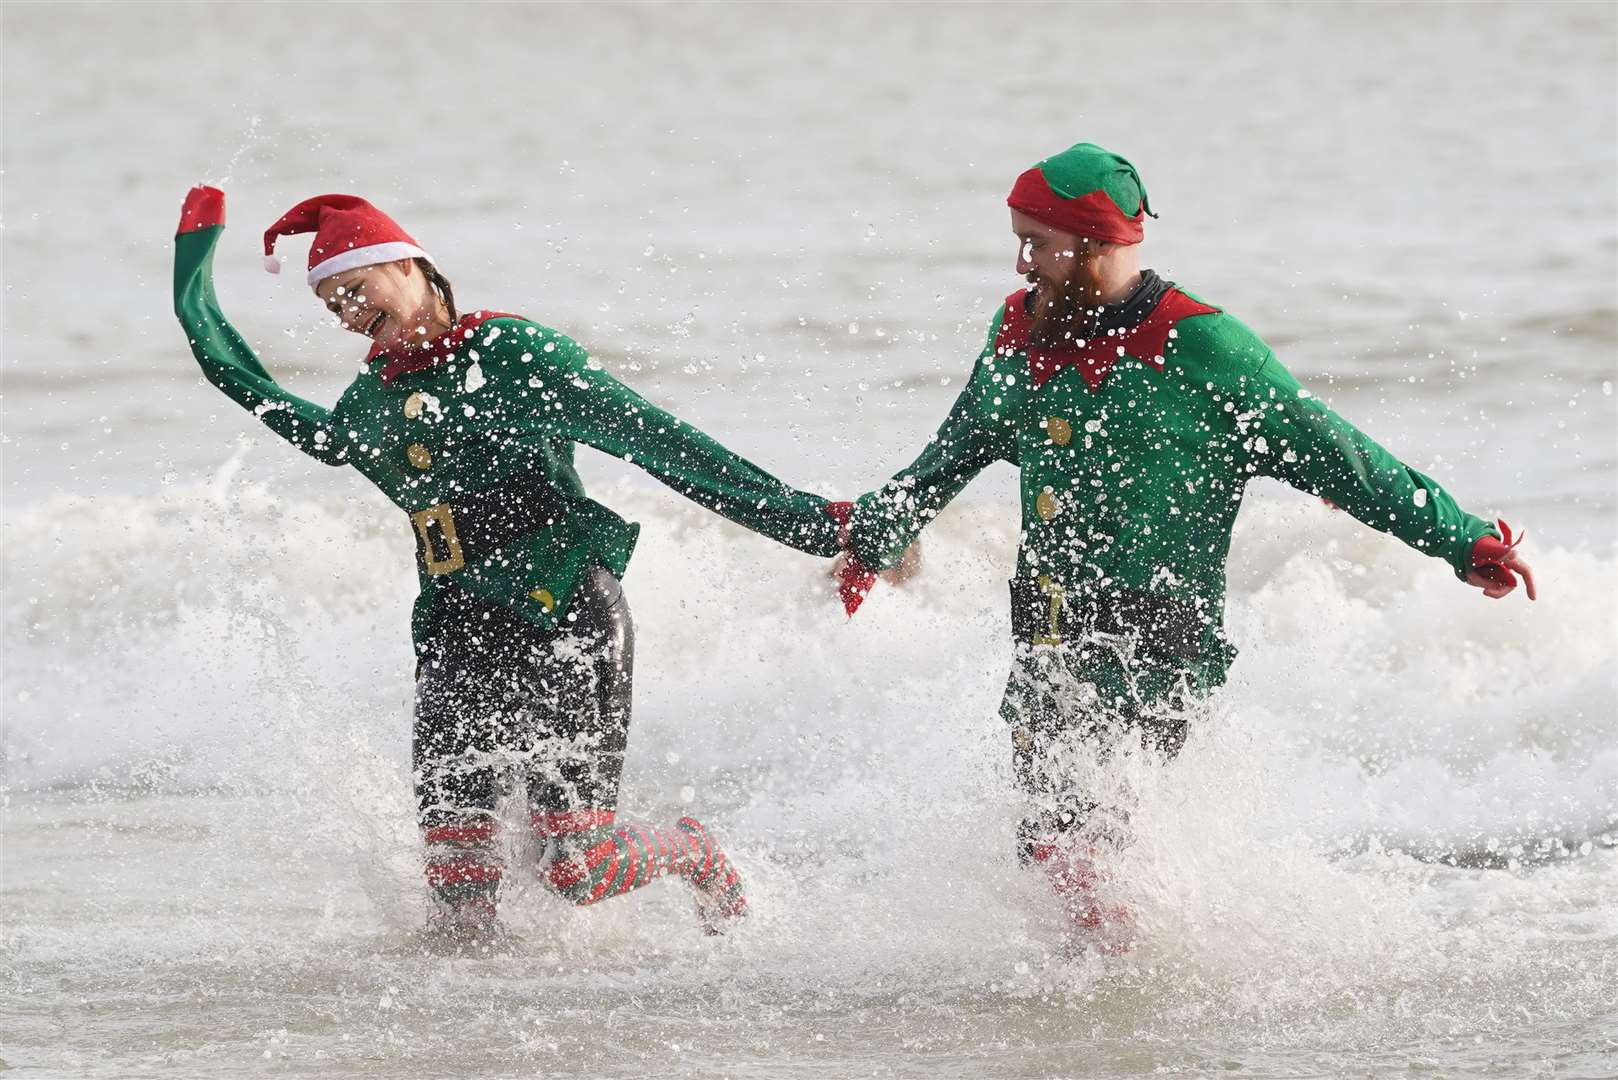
1389,844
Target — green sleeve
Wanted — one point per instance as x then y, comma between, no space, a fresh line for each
580,401
1297,439
228,361
972,437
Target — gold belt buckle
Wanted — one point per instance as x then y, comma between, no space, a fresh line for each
1058,597
439,512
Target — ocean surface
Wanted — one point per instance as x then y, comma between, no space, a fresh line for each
1390,846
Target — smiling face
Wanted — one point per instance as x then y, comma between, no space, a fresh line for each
389,303
1072,278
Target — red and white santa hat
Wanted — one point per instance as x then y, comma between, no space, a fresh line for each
349,233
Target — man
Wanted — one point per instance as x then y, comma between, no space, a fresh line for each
1136,414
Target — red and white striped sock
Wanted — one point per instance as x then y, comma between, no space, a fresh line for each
601,857
1080,884
464,867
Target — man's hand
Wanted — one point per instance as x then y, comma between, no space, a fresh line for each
908,566
1496,564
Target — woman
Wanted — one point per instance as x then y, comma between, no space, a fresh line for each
523,637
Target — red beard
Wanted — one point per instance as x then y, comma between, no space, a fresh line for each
1060,317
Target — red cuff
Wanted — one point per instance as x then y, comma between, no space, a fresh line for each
462,872
1490,555
568,822
840,512
476,832
204,208
854,582
1491,550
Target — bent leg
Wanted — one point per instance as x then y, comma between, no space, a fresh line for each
574,779
618,857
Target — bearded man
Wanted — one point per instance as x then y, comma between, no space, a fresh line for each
1136,414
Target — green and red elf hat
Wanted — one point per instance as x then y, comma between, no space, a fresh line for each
1086,191
349,233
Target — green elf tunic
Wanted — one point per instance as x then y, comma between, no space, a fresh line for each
1135,447
495,398
1134,451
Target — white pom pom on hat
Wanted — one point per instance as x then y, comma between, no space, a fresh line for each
272,263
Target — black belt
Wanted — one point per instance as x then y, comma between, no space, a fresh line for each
1044,613
448,535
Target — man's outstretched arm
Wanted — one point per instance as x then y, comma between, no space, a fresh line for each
1298,439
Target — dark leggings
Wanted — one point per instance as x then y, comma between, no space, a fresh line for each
1062,703
497,696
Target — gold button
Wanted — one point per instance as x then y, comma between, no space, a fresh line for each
543,599
1022,737
1060,431
413,406
419,456
1045,506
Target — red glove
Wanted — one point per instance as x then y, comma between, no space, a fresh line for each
204,208
854,581
1495,560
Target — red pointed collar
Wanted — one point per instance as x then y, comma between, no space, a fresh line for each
1145,341
435,352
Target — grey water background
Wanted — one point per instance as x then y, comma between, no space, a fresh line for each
787,224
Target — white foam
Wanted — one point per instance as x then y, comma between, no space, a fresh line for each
251,660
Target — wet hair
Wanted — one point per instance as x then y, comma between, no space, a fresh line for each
440,285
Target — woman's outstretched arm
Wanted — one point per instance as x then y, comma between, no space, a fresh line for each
580,401
225,357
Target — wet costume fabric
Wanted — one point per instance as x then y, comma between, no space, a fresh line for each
1129,488
496,694
524,641
1135,436
1135,447
499,697
502,398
